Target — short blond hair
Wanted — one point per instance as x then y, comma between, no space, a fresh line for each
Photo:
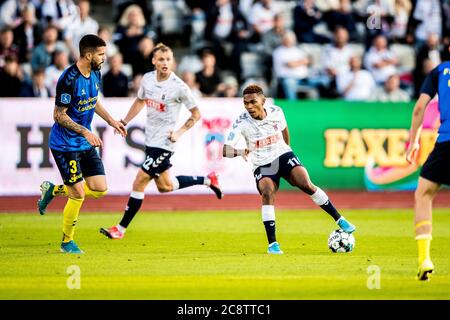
161,47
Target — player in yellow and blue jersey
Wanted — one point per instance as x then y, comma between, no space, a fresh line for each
72,142
436,169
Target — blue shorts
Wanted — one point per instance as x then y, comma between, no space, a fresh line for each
157,161
277,169
74,165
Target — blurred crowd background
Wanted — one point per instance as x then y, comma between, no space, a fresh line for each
295,49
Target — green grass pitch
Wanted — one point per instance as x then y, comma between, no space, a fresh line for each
221,255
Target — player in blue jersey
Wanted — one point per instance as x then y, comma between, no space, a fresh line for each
72,142
436,169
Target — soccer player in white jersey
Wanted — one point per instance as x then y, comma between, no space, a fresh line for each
163,93
266,135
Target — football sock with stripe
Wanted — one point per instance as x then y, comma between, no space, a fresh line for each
70,216
268,217
133,206
321,199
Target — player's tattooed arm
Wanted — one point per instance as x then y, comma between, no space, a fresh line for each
60,116
195,116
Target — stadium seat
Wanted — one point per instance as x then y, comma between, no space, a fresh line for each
357,48
314,52
252,65
286,8
168,16
405,55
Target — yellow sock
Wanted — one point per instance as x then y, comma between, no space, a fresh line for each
70,216
60,190
423,246
93,194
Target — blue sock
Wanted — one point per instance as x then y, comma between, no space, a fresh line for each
187,181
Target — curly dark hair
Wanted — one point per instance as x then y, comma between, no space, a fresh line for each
253,88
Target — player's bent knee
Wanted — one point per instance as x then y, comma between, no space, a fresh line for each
268,193
99,194
165,189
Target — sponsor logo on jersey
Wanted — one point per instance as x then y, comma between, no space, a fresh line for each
267,141
158,106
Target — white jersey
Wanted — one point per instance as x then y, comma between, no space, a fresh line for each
264,138
163,100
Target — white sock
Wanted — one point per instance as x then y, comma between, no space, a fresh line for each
207,181
121,229
175,184
268,213
319,197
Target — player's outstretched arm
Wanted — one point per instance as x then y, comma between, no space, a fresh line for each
135,108
60,116
118,125
195,116
416,127
230,152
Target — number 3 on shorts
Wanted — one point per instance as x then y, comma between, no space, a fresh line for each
73,166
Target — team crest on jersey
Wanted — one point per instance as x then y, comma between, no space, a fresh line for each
65,98
275,126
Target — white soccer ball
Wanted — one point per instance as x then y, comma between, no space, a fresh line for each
341,241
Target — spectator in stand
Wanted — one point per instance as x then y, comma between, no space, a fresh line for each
209,77
336,60
10,77
399,25
59,13
271,40
7,46
54,71
356,84
11,12
131,29
429,55
82,24
306,17
105,34
28,34
380,17
229,88
290,66
115,82
189,78
391,91
341,16
225,25
42,55
380,61
427,16
142,61
37,87
261,18
135,85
